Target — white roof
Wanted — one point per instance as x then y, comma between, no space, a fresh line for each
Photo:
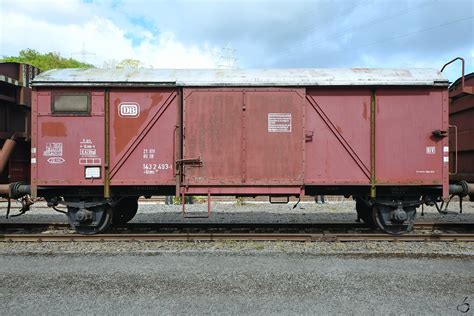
242,77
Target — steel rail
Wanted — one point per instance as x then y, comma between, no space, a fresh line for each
322,237
248,226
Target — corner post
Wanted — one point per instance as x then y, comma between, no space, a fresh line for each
373,111
106,145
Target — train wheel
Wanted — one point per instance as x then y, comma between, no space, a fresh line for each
392,220
90,221
125,210
364,212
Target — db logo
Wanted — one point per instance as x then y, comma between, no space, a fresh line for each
56,160
129,110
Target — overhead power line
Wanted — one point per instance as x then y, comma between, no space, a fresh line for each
332,18
371,23
416,32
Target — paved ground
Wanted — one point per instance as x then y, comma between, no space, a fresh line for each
213,283
238,278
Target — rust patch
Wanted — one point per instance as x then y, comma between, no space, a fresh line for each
126,129
156,99
365,112
53,129
339,129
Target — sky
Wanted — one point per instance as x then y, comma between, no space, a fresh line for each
245,33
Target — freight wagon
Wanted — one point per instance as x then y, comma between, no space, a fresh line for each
102,138
15,103
461,112
15,125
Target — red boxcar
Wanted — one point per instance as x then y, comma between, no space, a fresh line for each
101,138
15,103
461,111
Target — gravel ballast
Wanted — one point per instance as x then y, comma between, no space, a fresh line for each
219,283
244,278
249,212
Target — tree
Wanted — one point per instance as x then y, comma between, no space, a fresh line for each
45,61
129,63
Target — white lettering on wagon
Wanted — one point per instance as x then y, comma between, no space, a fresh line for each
430,150
149,153
55,152
279,122
129,109
88,153
56,160
154,168
151,168
425,171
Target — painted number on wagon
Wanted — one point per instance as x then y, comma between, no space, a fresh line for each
153,168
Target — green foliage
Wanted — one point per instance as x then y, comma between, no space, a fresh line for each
195,199
128,63
239,201
45,61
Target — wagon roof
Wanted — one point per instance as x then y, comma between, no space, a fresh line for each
241,77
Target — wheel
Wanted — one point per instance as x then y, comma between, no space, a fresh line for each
364,212
393,220
90,221
125,210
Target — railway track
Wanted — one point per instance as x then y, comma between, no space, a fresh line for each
341,232
331,237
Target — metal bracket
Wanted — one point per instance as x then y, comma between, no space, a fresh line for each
188,215
440,133
191,162
83,204
455,149
279,202
394,204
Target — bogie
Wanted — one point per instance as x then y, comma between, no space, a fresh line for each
89,221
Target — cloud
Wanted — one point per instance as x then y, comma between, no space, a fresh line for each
69,28
272,34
